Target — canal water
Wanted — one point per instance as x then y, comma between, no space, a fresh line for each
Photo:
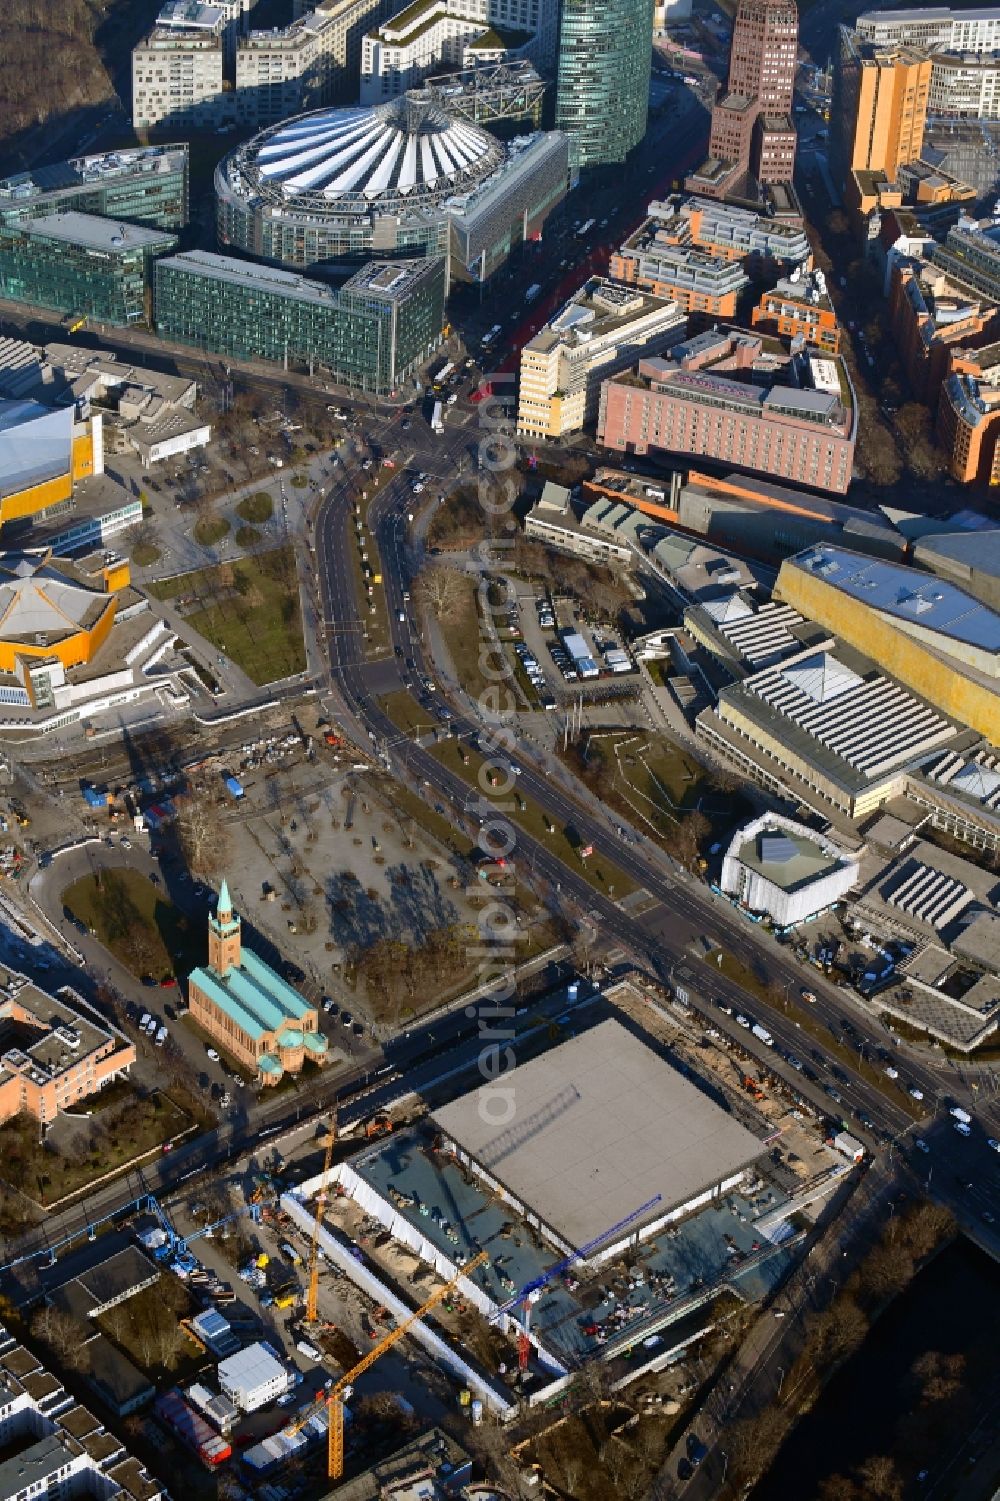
953,1306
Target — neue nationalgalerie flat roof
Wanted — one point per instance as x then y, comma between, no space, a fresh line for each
601,1125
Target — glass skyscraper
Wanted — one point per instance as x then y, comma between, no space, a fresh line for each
602,90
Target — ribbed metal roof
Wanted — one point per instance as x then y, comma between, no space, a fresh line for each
402,148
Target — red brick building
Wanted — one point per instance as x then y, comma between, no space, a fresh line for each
803,436
752,133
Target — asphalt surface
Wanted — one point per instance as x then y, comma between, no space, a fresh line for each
963,1172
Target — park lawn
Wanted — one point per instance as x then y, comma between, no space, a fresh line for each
145,554
210,529
133,919
462,632
652,776
563,842
247,609
96,1146
256,508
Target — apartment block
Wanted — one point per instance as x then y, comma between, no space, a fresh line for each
201,68
431,36
800,307
602,330
54,1051
931,317
662,258
178,74
971,255
288,70
933,26
54,1448
728,231
703,401
964,85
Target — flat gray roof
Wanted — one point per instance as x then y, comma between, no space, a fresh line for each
97,233
250,274
602,1124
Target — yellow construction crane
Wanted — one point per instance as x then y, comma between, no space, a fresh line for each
333,1400
312,1314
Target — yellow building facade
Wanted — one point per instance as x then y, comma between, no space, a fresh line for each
949,677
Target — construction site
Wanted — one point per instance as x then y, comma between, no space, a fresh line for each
681,1195
650,1180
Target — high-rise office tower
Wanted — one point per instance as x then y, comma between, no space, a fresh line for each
602,88
752,133
880,102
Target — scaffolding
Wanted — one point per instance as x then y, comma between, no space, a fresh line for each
491,92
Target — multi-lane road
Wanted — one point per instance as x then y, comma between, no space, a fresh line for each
848,1081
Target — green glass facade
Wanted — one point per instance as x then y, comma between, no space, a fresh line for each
602,88
148,186
81,266
369,333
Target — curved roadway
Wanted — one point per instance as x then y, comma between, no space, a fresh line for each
685,909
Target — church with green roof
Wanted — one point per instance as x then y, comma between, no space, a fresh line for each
247,1008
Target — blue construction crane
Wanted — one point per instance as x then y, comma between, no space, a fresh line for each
177,1245
152,1205
530,1291
253,1210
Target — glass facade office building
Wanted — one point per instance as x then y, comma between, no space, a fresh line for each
602,88
148,185
81,265
370,333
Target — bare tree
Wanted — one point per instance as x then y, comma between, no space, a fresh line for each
443,591
116,1321
880,1478
691,832
167,1338
64,1335
204,839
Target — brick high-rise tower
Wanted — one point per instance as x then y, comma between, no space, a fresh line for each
753,139
762,57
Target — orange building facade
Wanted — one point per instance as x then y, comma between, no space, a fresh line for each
798,308
53,1057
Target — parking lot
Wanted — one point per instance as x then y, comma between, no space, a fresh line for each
557,649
